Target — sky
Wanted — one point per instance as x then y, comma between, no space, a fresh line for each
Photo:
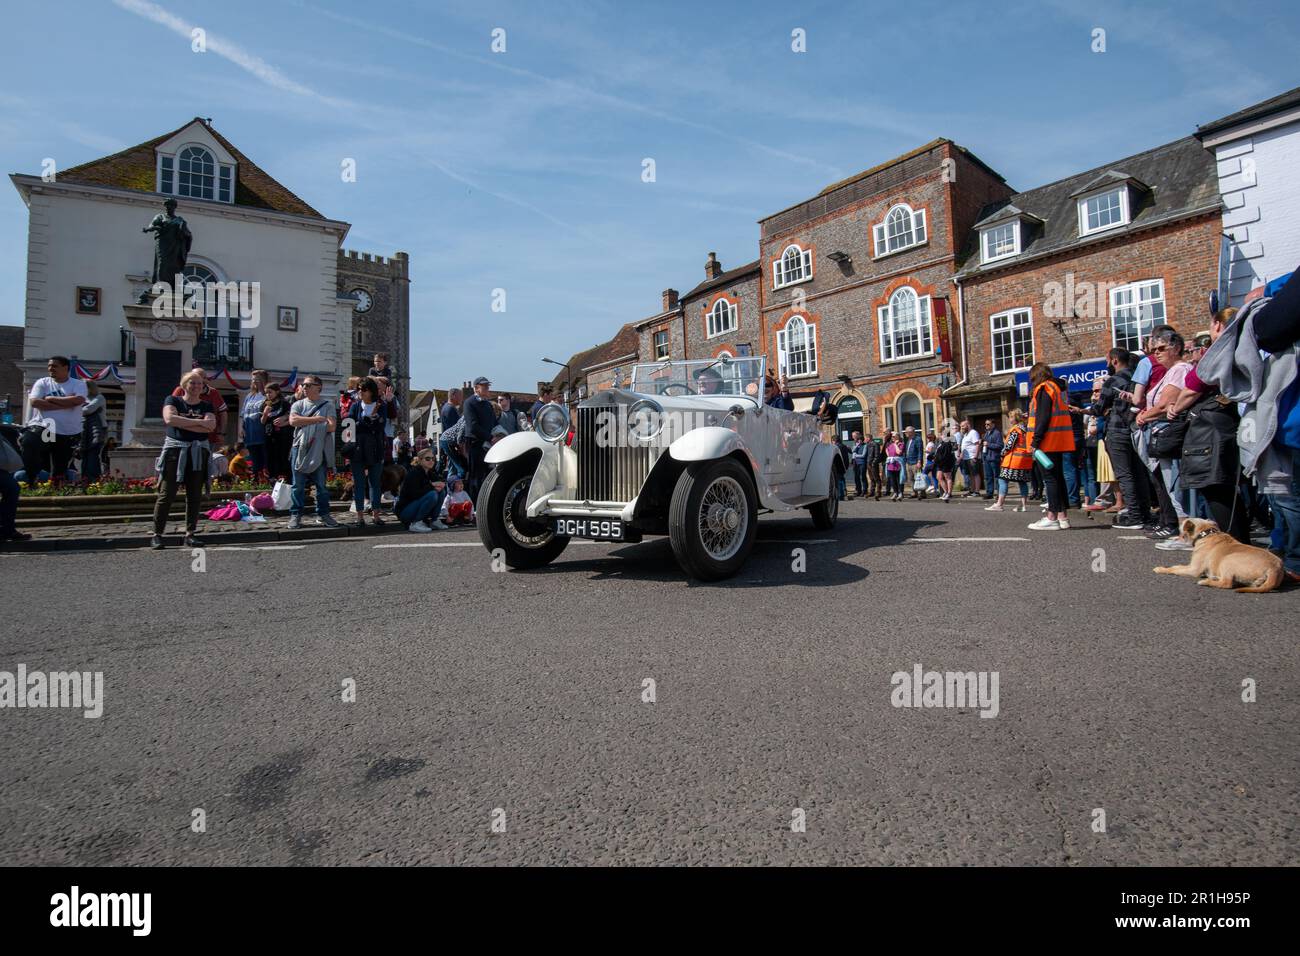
524,169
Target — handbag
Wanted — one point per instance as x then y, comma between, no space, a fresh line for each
10,459
1167,438
919,483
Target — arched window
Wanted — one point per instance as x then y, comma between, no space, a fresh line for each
902,229
796,347
909,411
905,326
196,173
216,307
722,318
795,265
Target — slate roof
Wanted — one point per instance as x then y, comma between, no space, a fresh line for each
136,168
727,278
1004,214
1111,177
1275,104
1180,177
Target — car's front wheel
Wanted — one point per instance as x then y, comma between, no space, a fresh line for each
713,518
503,523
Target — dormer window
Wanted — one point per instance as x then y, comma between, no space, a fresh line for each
1102,211
195,174
1002,241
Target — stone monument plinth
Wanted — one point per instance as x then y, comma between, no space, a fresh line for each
164,350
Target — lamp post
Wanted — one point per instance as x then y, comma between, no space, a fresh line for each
568,377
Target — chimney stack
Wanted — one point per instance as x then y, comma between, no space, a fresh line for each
670,300
712,268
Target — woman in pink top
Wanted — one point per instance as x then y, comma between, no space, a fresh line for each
1168,352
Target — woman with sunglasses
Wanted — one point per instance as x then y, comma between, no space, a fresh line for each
420,499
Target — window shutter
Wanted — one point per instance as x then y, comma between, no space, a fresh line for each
923,313
778,269
810,337
807,263
780,351
880,239
886,343
920,227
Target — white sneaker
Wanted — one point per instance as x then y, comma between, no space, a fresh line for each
1045,524
437,523
352,508
420,527
387,498
993,508
1063,523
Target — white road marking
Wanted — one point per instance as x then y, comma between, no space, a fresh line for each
468,544
928,540
800,541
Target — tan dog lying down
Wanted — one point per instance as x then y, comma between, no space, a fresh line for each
1221,561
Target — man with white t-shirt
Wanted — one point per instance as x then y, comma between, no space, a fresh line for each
55,400
970,458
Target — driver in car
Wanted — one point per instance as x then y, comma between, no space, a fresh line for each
708,382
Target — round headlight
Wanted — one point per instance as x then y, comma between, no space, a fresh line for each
552,422
645,419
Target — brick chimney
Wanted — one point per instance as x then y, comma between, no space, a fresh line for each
670,299
712,268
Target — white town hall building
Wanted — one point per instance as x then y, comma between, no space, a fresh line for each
87,258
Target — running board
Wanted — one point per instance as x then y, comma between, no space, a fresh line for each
803,501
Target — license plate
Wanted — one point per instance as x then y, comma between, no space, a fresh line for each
599,529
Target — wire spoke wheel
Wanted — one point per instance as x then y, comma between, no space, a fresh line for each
712,518
503,523
528,534
723,518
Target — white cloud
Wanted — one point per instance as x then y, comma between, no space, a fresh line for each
223,48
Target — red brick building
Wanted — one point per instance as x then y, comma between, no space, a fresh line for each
856,285
1064,272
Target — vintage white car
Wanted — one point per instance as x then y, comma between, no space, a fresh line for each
689,450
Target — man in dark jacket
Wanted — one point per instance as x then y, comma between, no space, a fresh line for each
1128,467
480,419
992,454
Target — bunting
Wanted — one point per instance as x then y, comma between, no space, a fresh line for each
110,371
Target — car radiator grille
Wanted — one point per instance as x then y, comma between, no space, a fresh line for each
615,472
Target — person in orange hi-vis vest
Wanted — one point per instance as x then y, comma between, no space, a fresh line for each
1017,463
1052,433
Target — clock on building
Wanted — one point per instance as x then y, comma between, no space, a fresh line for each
364,302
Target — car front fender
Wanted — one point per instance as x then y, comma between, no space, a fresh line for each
512,446
818,479
706,444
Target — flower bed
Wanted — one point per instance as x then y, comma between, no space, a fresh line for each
119,484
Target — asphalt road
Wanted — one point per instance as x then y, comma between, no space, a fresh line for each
1119,690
